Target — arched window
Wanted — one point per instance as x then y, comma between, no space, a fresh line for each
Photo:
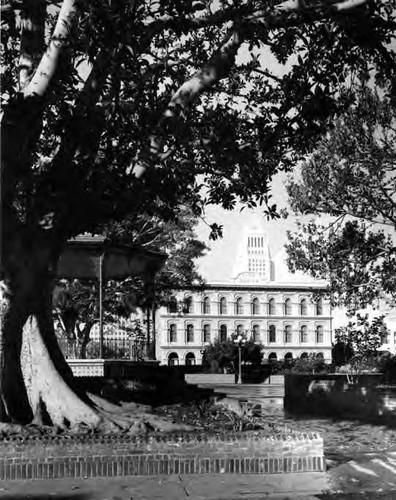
272,333
256,333
287,307
303,307
319,355
173,359
206,305
238,306
304,334
385,337
288,334
239,330
223,306
188,305
273,356
223,333
319,307
206,333
190,359
255,306
304,355
172,305
319,334
289,356
172,333
190,333
271,307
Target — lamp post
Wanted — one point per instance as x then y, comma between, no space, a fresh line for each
240,341
202,351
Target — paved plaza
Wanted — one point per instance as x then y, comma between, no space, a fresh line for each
366,476
360,463
191,487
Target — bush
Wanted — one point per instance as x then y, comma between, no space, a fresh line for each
387,365
374,363
218,357
221,357
301,365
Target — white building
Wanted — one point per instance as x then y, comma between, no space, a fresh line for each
287,313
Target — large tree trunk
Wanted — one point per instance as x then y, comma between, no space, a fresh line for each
36,384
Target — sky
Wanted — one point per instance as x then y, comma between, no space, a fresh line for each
217,264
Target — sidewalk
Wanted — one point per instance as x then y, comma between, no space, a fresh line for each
191,487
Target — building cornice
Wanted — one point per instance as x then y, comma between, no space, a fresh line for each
266,287
241,317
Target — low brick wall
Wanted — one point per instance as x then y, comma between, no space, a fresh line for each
243,453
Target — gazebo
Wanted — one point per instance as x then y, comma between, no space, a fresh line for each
95,257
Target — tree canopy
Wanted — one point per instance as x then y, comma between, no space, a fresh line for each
176,237
76,305
350,176
137,107
183,91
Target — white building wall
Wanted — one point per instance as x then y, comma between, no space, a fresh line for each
181,346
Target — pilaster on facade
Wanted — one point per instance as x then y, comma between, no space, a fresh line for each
202,321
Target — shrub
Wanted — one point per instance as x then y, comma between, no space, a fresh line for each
387,365
221,357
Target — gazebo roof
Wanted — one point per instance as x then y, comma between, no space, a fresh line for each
83,256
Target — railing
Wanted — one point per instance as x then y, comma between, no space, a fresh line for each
113,348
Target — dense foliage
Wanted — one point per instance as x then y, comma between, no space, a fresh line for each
222,356
117,100
350,176
364,336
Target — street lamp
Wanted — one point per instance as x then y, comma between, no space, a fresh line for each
202,351
240,341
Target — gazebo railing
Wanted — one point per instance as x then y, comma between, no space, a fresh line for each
113,348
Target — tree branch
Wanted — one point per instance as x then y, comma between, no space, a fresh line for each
303,7
214,70
345,213
46,69
79,136
221,16
267,74
11,5
32,20
222,61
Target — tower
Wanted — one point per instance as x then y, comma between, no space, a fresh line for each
252,263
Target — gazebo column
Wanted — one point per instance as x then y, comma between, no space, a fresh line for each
101,293
95,257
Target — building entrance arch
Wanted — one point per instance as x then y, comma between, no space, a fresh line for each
173,359
289,358
190,359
